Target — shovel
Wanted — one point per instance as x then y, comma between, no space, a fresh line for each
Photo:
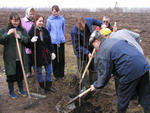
85,70
31,103
66,105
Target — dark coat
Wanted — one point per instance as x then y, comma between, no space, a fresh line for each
9,51
80,39
117,57
43,48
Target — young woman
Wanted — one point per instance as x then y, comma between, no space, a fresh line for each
44,52
56,27
10,55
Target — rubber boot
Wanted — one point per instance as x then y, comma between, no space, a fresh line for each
146,111
122,110
49,86
42,89
21,90
11,90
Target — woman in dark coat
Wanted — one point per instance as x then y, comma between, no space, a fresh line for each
44,52
10,54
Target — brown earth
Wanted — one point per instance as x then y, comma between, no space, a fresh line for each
103,101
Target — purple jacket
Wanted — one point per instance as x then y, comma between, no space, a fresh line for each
26,24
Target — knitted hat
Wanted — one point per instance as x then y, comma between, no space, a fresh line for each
105,31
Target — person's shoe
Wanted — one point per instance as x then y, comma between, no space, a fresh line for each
22,92
42,88
62,78
55,79
42,91
49,86
13,95
11,90
52,89
146,111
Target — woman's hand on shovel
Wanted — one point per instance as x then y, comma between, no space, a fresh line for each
16,34
93,88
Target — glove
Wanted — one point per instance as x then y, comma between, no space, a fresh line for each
53,56
34,39
103,26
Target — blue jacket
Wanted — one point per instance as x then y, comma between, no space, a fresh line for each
79,41
56,28
117,57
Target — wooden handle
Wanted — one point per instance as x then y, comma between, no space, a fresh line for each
79,96
35,59
85,92
22,66
83,75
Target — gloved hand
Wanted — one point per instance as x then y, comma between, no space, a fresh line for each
34,39
103,26
93,88
53,56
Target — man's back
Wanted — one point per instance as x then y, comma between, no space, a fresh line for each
131,37
122,59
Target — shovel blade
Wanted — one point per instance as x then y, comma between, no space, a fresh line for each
62,106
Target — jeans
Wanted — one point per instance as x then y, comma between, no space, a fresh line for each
48,70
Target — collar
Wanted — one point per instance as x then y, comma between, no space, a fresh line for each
27,20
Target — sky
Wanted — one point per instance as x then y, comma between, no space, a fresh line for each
75,3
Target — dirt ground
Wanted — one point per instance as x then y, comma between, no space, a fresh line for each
103,101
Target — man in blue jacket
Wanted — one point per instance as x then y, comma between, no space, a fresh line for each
80,34
118,57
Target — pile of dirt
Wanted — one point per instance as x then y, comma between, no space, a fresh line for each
87,107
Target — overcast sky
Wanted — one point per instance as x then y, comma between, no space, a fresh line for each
75,3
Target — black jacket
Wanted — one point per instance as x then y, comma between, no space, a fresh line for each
43,47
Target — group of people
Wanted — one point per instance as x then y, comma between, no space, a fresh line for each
118,53
39,46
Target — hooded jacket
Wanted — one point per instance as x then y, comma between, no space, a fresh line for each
56,28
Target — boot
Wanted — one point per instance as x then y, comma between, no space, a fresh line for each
11,90
49,86
21,90
146,111
42,90
122,110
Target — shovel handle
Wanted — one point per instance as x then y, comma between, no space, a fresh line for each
83,75
85,92
23,70
79,96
